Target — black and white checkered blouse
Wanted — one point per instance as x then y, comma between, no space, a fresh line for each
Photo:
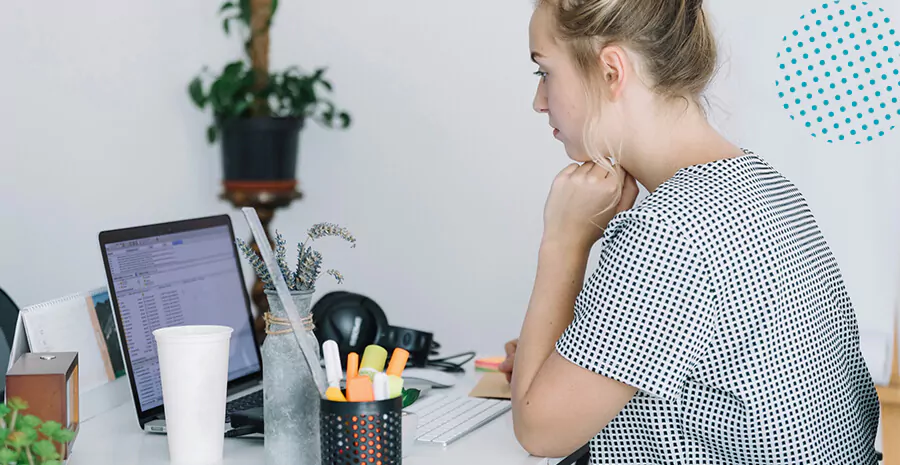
718,298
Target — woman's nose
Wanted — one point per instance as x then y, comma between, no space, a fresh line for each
540,100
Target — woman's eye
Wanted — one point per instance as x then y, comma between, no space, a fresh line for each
541,74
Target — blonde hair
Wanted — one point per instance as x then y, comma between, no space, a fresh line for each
675,50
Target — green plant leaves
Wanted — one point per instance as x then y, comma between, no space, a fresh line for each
31,434
50,428
409,396
233,69
231,93
16,403
17,440
328,115
195,90
4,410
56,432
28,421
245,9
24,445
64,435
227,7
235,92
45,450
345,119
8,455
240,107
226,22
211,133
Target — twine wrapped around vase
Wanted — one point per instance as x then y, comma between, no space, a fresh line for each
273,321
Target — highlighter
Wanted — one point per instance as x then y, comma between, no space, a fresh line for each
352,365
333,371
372,361
359,389
380,386
395,368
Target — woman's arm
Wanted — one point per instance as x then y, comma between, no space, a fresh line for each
558,406
560,275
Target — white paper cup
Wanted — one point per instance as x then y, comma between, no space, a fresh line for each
193,365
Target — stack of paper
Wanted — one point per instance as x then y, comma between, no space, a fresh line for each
488,363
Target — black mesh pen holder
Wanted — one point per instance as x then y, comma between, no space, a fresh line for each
361,433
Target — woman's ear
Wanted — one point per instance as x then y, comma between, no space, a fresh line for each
612,65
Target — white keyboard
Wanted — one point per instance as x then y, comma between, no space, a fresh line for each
444,419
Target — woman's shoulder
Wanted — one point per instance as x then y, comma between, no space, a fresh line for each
711,198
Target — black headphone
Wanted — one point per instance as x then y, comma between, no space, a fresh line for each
355,321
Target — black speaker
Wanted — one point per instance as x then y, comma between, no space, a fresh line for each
355,321
417,343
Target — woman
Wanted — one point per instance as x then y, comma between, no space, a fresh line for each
716,328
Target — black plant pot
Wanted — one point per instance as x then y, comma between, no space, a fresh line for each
260,149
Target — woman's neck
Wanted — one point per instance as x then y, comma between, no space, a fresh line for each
670,140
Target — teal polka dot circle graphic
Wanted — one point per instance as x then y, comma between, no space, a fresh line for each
839,72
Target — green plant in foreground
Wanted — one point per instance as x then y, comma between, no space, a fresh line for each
27,439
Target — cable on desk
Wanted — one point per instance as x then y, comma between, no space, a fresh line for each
242,431
447,364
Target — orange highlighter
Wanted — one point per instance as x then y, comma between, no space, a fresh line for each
352,365
394,370
359,388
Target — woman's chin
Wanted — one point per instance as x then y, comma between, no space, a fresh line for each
577,154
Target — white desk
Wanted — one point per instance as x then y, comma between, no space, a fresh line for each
114,438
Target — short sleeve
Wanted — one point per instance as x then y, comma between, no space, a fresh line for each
645,316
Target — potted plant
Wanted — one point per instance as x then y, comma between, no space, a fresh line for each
291,404
27,440
258,114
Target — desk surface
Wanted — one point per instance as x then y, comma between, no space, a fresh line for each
114,438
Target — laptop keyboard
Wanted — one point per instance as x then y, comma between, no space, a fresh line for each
254,399
444,419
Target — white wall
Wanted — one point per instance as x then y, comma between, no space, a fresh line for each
442,177
97,133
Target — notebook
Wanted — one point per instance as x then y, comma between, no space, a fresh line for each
492,386
82,322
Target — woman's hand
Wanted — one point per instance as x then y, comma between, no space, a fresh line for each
507,366
572,214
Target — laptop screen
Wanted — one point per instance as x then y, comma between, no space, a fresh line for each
184,278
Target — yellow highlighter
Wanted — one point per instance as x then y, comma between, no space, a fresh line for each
372,361
398,362
333,371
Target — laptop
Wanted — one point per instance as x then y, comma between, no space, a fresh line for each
180,273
